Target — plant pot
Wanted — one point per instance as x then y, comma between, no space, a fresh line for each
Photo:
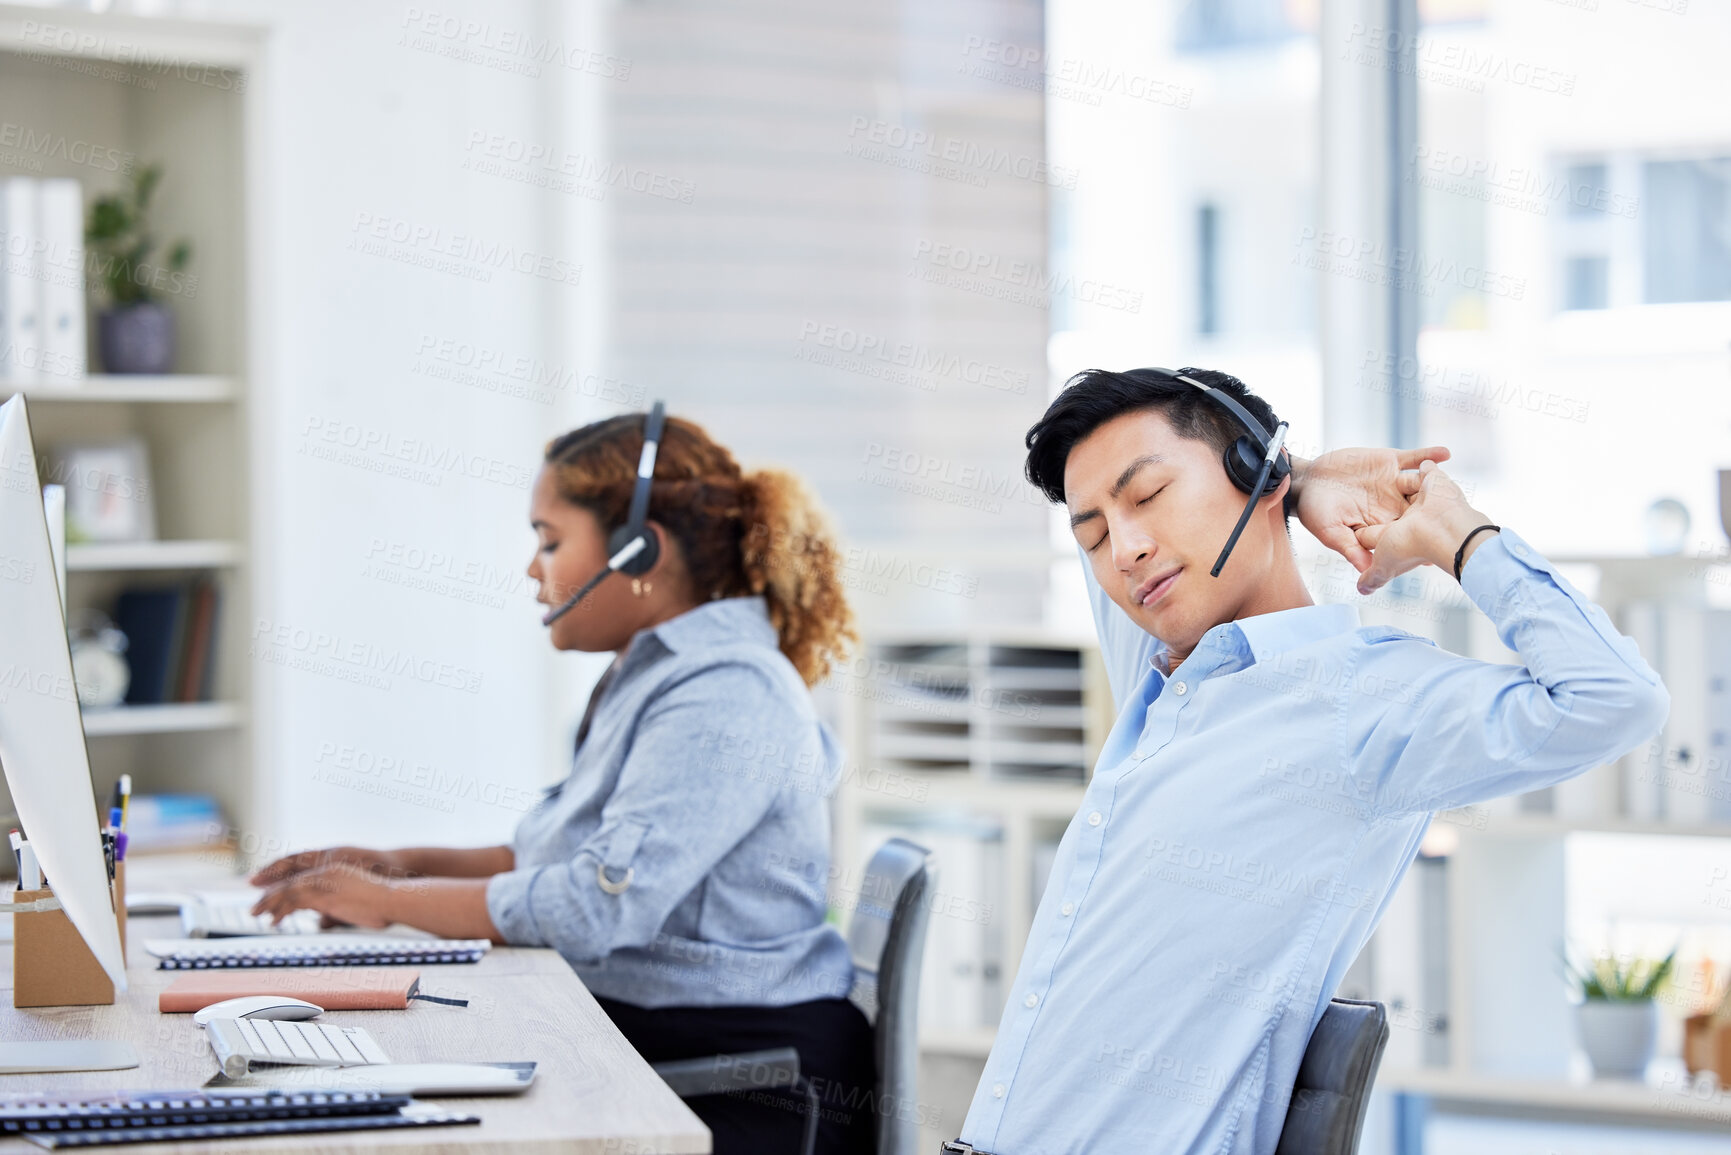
136,339
1618,1035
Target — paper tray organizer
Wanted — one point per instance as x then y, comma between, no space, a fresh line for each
51,966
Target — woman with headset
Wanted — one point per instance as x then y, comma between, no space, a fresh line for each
680,867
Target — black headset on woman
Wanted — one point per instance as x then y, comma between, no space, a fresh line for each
1256,462
633,547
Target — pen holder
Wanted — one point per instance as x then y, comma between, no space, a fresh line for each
51,966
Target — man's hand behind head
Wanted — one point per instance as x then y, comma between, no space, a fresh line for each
1345,490
1437,520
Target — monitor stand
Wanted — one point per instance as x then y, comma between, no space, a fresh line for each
44,1057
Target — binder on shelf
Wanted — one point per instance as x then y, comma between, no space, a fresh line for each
195,676
152,620
60,211
1683,777
1638,771
171,641
21,343
51,966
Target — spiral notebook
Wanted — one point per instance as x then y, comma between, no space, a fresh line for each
313,950
85,1120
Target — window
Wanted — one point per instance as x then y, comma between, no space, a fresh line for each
1582,183
1633,229
1207,270
1210,24
1687,233
1586,283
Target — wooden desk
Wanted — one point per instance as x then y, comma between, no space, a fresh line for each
592,1092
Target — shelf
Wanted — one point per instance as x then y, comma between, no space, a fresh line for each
175,717
1545,826
963,789
974,1044
137,555
182,387
1002,678
1673,1098
1677,560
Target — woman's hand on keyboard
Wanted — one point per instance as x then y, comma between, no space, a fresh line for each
383,862
343,892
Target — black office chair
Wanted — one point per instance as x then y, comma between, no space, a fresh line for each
886,938
1326,1114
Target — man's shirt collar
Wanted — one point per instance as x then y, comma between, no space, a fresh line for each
1270,634
1265,635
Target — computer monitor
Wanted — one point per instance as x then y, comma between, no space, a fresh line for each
42,749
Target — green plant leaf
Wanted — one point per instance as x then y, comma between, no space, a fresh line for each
119,241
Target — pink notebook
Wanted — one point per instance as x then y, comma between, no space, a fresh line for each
333,988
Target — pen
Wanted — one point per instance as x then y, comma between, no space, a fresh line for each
124,786
17,841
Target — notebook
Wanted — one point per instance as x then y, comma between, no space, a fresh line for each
80,1120
312,950
333,988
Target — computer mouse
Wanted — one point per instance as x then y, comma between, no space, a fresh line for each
259,1007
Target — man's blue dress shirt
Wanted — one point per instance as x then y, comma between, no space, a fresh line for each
1248,819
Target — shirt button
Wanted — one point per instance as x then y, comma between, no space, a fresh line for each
1094,818
997,1090
1067,909
1031,1001
1179,688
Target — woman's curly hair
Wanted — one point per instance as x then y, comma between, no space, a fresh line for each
741,533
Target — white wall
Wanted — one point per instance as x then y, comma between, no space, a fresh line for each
811,220
369,116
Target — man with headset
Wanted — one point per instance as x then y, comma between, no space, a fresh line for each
1273,767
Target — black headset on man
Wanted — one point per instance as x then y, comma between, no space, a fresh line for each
632,548
1256,462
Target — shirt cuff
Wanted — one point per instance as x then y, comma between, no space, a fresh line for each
508,906
1500,560
1499,578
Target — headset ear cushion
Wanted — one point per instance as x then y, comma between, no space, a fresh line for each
1244,462
644,561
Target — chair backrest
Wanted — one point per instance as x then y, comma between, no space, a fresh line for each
887,938
1326,1114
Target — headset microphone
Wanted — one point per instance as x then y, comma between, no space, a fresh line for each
632,548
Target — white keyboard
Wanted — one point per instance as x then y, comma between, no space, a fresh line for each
203,918
239,1043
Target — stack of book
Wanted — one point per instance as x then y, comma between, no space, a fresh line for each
173,822
171,641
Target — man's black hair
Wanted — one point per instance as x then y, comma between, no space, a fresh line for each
1095,396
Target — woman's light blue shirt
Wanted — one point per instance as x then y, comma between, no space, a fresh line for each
684,861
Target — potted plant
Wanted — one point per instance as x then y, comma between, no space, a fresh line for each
1617,1016
135,332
